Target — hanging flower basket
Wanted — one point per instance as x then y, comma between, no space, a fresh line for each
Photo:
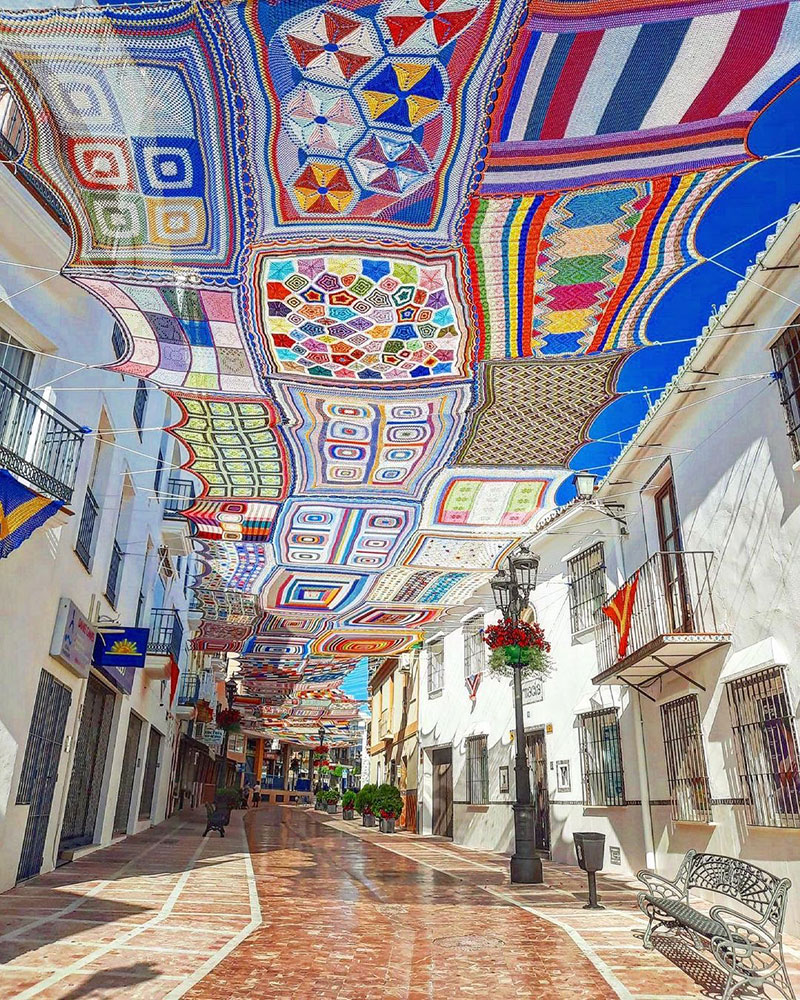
229,719
517,646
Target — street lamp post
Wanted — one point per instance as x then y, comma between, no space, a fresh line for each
512,589
230,694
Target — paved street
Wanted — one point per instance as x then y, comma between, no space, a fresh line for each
320,908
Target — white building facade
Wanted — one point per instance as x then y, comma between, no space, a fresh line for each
688,736
86,753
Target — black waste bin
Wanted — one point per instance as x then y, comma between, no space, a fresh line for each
589,850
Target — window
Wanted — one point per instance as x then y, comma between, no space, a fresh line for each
88,526
786,358
587,587
766,744
474,648
477,771
601,759
435,667
118,342
14,358
140,405
687,772
159,471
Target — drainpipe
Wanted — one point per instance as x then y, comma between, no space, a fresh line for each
644,780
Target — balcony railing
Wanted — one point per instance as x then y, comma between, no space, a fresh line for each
179,497
673,608
189,689
166,633
114,573
37,441
12,140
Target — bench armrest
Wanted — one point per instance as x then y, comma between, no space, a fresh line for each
743,932
660,887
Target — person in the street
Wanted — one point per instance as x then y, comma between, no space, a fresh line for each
294,770
257,795
247,791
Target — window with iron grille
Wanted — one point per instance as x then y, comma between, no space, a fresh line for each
474,648
766,745
687,772
786,358
477,771
587,587
601,758
140,405
435,667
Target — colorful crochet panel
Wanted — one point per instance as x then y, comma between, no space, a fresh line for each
391,261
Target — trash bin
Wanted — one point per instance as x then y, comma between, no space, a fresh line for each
589,850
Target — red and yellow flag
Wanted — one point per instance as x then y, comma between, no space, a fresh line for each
620,611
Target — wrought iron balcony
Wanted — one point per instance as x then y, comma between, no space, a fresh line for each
672,621
179,497
12,141
166,633
37,441
189,689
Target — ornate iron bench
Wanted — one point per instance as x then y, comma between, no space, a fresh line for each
749,950
217,818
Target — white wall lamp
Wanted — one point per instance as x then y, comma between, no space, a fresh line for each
585,486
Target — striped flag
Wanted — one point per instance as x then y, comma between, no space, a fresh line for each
620,610
22,511
473,682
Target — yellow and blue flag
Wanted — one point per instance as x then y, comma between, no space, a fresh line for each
22,511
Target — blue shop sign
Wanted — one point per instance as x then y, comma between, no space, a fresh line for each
118,652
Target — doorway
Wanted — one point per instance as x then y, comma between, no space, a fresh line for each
673,561
37,781
151,765
443,792
537,756
130,761
88,767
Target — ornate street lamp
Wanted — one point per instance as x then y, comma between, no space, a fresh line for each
230,694
585,483
511,590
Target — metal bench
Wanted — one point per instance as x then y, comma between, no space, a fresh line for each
217,818
750,951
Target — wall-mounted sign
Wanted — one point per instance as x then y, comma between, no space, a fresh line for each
121,647
532,690
73,638
563,778
503,778
118,653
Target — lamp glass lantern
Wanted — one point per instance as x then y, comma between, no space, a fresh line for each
585,483
230,692
502,592
525,568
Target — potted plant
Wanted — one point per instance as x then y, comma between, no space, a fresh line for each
332,800
348,804
228,797
364,799
229,719
388,804
517,645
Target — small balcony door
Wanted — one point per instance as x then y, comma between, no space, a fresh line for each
676,590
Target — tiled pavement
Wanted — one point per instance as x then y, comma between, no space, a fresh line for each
325,909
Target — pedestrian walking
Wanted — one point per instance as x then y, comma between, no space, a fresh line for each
257,796
294,769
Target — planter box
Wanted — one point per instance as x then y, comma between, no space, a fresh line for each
387,825
332,808
368,819
347,813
